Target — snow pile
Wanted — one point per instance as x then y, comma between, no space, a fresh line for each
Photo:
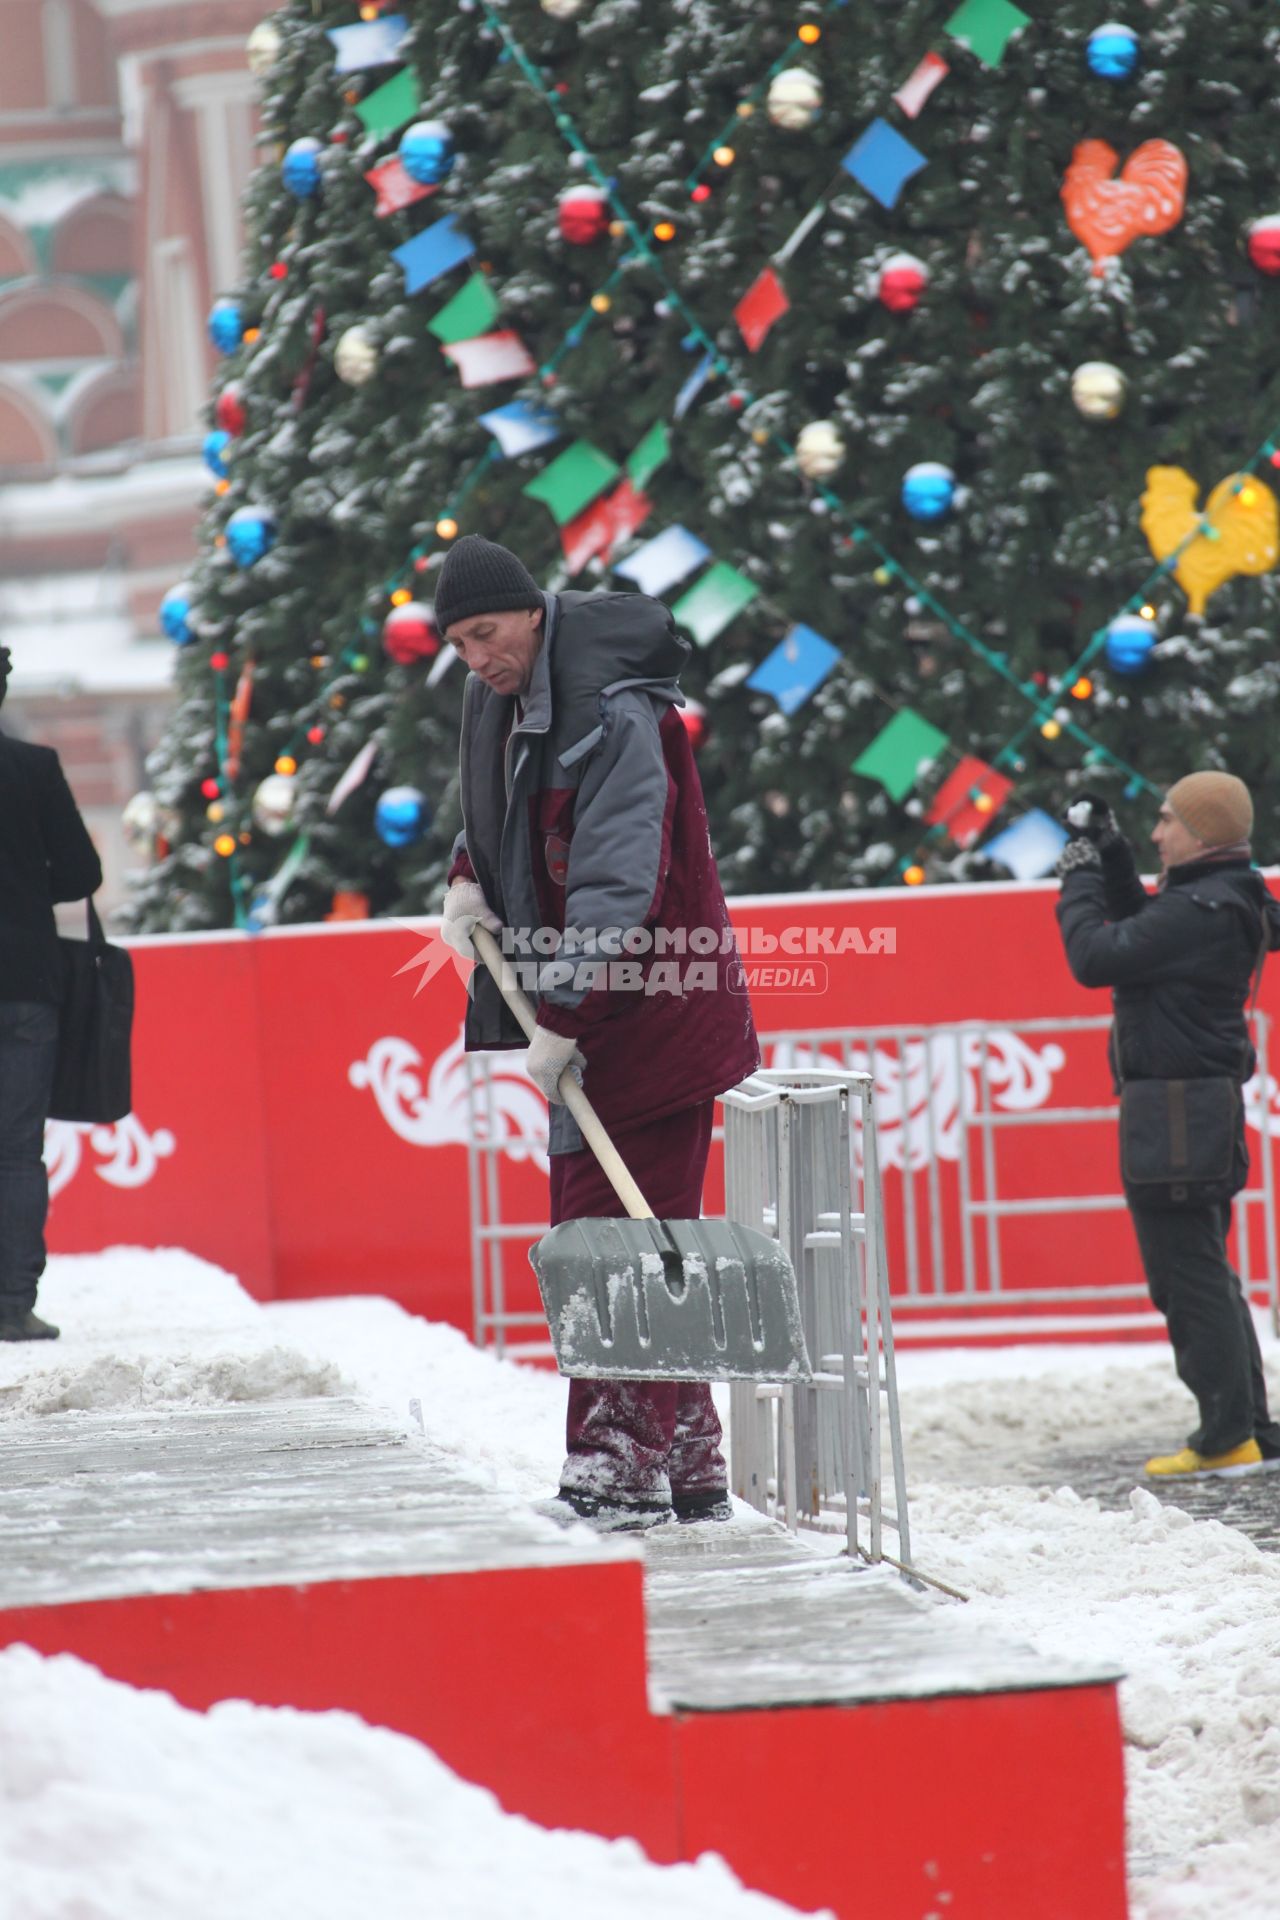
505,1422
118,1805
152,1329
1191,1610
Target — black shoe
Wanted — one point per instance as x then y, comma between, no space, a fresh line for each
26,1326
606,1516
714,1504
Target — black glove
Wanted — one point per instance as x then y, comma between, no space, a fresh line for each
1088,817
1076,856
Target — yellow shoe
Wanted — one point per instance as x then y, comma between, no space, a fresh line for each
1190,1465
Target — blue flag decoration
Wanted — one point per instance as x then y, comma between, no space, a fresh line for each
882,161
431,253
519,428
1029,846
795,669
693,386
660,562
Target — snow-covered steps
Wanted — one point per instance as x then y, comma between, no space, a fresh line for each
226,1502
743,1616
95,1505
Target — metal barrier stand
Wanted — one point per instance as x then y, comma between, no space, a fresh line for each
810,1454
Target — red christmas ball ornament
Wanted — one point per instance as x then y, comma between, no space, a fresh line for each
278,270
315,735
409,633
696,724
219,662
701,192
211,788
903,280
584,215
1264,243
229,409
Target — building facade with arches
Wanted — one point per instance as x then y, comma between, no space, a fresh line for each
127,134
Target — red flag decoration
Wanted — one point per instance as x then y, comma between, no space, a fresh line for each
764,301
913,93
968,800
597,530
394,188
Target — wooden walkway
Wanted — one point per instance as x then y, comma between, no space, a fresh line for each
103,1505
95,1506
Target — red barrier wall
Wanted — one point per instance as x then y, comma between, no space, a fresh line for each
982,1807
300,1109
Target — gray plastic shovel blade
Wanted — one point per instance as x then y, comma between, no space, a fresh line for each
670,1300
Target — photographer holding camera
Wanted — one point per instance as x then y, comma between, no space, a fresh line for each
1183,965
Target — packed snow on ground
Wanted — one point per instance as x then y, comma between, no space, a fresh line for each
1190,1609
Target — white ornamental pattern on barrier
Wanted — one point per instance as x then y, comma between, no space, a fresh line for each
926,1087
433,1109
1262,1105
129,1155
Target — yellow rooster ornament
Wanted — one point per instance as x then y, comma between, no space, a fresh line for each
1246,525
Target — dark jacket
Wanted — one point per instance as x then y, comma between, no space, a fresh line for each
1180,963
584,824
45,855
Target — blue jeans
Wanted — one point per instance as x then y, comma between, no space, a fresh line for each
28,1051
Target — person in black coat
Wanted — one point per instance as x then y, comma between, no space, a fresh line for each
1182,966
45,855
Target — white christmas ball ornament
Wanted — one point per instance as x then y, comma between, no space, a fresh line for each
355,358
1098,390
562,9
274,802
820,450
262,49
795,99
140,820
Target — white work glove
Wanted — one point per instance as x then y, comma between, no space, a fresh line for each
466,908
548,1056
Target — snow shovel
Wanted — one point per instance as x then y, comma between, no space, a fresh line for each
649,1299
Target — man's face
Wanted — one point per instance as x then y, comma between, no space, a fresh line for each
1175,843
500,647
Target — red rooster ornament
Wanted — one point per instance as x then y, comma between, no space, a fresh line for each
1106,213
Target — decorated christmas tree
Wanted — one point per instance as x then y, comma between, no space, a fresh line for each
921,358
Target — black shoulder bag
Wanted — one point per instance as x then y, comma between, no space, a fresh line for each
1181,1140
92,1081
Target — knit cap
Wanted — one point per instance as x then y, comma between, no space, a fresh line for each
479,576
1214,806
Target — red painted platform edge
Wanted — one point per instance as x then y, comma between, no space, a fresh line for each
982,1807
531,1682
478,1666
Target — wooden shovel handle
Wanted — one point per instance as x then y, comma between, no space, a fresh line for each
615,1167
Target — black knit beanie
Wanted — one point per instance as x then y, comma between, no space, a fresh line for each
479,576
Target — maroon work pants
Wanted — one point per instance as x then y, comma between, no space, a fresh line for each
641,1439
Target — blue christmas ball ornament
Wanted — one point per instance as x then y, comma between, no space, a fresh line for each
1129,642
427,152
215,452
175,615
928,490
1113,53
226,325
402,816
251,532
300,169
